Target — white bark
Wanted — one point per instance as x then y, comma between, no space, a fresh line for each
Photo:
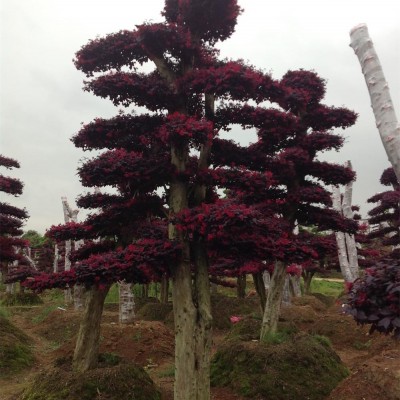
295,287
56,258
267,280
347,250
10,288
72,215
126,303
351,245
286,297
381,102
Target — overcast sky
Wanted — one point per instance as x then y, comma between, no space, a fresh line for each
42,102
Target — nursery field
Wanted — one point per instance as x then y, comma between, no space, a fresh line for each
372,363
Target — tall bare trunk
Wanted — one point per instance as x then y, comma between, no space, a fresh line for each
274,300
346,244
307,277
191,299
126,303
378,88
259,285
87,344
202,301
241,286
164,291
79,297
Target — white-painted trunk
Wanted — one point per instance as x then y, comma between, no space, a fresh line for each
79,297
295,287
340,239
78,291
286,297
126,303
10,288
351,244
267,280
378,88
56,258
347,249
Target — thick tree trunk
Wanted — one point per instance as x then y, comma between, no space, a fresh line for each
274,300
241,286
145,291
294,284
55,261
286,296
192,318
351,246
378,88
259,285
126,303
267,280
349,272
164,291
307,278
79,297
87,344
202,301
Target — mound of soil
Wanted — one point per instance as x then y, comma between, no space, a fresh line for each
121,382
154,311
317,303
224,307
15,351
21,299
146,343
302,367
372,381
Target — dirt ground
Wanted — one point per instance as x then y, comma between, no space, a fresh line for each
374,361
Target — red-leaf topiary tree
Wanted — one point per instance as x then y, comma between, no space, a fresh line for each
374,299
166,165
169,148
288,146
11,220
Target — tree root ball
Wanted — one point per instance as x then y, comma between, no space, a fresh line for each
122,382
301,367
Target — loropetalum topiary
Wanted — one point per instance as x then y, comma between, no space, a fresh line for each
374,299
11,221
184,229
288,146
385,216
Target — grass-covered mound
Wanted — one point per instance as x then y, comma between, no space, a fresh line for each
154,311
120,382
15,350
224,307
297,366
21,299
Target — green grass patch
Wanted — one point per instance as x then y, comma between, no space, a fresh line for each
362,345
168,372
21,299
325,341
44,313
4,312
328,288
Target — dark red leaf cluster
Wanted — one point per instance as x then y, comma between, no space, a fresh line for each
374,299
209,20
8,162
11,185
11,218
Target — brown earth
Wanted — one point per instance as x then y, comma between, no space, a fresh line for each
374,361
